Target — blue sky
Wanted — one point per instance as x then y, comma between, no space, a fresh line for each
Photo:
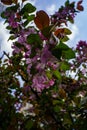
79,29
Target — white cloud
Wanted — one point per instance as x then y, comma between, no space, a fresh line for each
74,36
2,7
4,45
51,9
33,2
75,31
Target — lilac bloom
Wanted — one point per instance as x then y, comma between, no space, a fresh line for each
64,14
27,54
12,21
46,55
21,39
41,82
40,67
81,44
16,50
53,64
29,65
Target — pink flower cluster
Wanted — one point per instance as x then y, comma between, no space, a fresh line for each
12,19
82,52
42,61
37,57
38,60
41,82
79,65
64,14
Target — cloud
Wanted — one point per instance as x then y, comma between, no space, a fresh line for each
51,9
4,45
74,36
2,7
75,31
33,2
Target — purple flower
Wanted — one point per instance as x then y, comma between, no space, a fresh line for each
64,14
28,47
51,82
53,64
12,21
81,52
81,44
27,54
46,54
40,67
29,65
16,50
41,82
84,71
21,39
28,61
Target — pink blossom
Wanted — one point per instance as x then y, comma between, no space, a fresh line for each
46,54
16,50
51,82
28,61
12,21
21,39
41,82
84,71
54,65
40,67
81,45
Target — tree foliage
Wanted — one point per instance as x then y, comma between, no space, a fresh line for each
49,98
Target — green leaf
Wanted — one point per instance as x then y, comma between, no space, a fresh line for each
62,46
11,37
9,28
28,18
69,54
65,39
46,31
29,8
25,15
31,17
62,50
57,51
64,66
26,23
13,8
67,3
34,38
49,74
57,74
70,19
3,15
67,31
57,108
